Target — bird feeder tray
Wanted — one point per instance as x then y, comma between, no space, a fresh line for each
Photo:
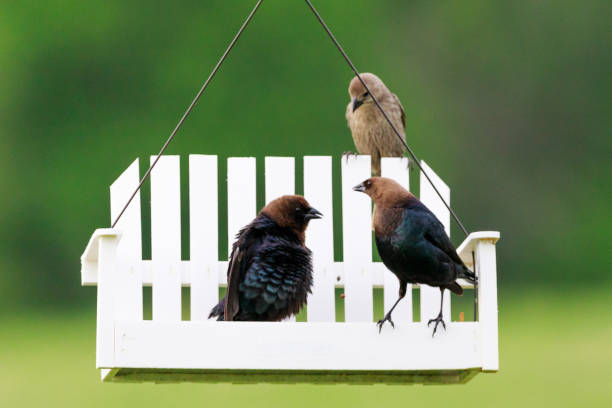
320,350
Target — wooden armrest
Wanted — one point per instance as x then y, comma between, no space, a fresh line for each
469,245
89,259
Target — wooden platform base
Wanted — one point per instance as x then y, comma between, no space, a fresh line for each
133,375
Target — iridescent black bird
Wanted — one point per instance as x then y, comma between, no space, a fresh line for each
270,269
412,243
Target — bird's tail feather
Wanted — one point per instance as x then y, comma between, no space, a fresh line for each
468,275
455,288
217,311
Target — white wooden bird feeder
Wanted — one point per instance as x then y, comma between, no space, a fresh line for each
166,348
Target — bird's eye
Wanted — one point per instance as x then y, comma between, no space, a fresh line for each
365,95
368,184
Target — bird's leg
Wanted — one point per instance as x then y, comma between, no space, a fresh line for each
387,317
438,319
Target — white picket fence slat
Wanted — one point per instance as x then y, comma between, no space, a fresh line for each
203,234
430,297
280,177
396,169
320,238
128,295
357,240
166,238
280,180
241,195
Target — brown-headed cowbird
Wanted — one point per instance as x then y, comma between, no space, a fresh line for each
412,242
371,132
270,269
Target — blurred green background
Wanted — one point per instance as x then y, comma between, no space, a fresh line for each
508,101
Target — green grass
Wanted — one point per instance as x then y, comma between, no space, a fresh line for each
556,351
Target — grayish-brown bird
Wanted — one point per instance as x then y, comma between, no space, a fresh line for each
372,133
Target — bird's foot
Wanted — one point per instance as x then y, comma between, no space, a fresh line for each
411,164
437,320
382,321
348,154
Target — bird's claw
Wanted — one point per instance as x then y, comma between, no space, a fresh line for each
410,165
438,320
382,321
348,154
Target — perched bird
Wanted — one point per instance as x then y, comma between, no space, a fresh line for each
412,243
371,132
270,269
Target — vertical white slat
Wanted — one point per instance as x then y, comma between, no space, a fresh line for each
280,177
487,307
241,195
204,234
320,238
430,297
280,180
105,327
166,238
357,240
397,169
128,296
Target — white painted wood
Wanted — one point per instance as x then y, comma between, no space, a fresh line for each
124,340
89,258
357,240
166,238
204,234
144,268
430,297
241,195
107,374
469,244
320,238
279,181
280,177
107,271
486,269
128,296
296,346
397,169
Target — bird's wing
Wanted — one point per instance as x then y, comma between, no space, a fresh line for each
435,235
403,114
275,277
233,282
349,114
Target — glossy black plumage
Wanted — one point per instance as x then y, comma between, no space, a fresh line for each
418,250
270,269
412,242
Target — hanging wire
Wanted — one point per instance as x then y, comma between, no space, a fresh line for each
397,133
188,111
216,68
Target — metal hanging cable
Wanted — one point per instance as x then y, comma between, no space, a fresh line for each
397,133
216,68
188,111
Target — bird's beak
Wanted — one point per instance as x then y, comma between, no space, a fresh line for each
359,187
356,103
313,214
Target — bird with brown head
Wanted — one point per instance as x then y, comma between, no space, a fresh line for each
269,274
412,243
